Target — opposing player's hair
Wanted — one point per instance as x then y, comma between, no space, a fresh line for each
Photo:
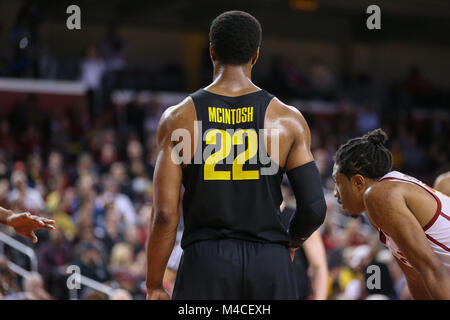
235,37
365,155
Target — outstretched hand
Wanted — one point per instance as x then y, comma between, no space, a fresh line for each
25,224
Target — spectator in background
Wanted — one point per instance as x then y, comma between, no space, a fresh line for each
25,197
135,160
153,112
368,119
87,237
83,204
122,257
135,237
58,204
85,167
54,257
32,140
135,113
118,172
121,294
112,231
33,289
91,263
418,88
92,70
321,79
4,190
8,141
351,277
108,156
35,170
8,280
112,49
121,202
55,167
60,127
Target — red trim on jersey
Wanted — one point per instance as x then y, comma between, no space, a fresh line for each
443,246
445,216
439,204
382,237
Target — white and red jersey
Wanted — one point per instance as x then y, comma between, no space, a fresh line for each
437,230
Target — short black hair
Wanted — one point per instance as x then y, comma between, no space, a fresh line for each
235,37
365,155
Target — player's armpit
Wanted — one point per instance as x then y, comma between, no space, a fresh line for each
387,207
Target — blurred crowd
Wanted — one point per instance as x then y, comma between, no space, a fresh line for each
94,177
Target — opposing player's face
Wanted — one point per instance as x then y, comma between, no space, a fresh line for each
348,192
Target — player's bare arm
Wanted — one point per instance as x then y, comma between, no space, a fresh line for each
295,136
386,206
296,158
25,223
317,260
165,211
415,282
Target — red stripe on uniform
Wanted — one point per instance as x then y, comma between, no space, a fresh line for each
382,237
443,246
445,216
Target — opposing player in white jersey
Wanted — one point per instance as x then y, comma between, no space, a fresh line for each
442,183
412,218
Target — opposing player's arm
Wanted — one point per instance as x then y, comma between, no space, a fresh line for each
442,183
317,260
4,215
25,223
165,213
387,207
304,178
416,285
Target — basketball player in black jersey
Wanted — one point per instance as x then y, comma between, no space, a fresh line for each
235,245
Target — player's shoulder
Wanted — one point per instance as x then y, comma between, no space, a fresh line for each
177,114
287,114
444,175
442,183
283,109
384,193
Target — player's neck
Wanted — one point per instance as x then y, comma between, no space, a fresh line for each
232,79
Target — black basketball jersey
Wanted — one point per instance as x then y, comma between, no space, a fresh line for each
229,193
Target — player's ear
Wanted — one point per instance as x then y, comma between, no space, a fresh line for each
212,53
255,57
358,182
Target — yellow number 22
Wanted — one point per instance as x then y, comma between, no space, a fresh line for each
238,138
